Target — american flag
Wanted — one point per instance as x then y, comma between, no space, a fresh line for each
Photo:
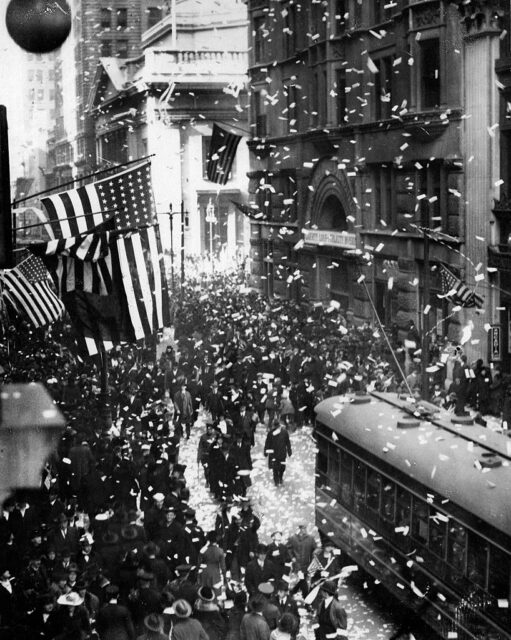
27,289
458,292
134,264
222,151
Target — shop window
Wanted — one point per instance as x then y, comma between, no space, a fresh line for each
122,18
340,98
430,72
383,88
289,30
346,473
420,521
373,490
106,18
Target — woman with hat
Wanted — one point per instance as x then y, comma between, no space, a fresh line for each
209,615
331,616
213,565
71,619
184,626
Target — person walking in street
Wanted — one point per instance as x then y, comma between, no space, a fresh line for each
184,411
278,448
332,619
253,624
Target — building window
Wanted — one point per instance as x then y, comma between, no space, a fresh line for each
154,15
122,18
291,110
261,130
106,18
340,97
384,189
39,76
340,17
260,34
289,29
40,95
382,11
113,146
429,63
105,48
206,143
122,48
319,14
383,88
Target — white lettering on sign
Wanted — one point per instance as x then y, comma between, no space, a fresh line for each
320,237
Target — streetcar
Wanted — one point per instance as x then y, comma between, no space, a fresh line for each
421,500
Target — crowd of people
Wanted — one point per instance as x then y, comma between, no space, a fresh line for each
110,546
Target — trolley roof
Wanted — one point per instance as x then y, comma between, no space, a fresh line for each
443,456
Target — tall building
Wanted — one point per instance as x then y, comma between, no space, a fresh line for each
191,74
112,28
374,125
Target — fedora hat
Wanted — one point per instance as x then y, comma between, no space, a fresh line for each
71,599
153,622
329,587
182,609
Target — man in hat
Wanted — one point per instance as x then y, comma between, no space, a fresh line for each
114,621
41,621
271,612
153,563
279,554
277,447
183,587
154,517
71,619
90,601
207,612
66,536
284,601
241,461
183,404
215,403
185,627
153,628
331,616
301,547
175,543
260,569
253,624
144,600
86,556
205,443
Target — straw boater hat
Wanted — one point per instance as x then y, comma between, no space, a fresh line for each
71,599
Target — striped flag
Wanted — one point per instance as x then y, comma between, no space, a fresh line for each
458,292
222,151
27,289
134,265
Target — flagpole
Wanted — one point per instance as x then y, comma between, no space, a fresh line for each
426,292
90,175
105,408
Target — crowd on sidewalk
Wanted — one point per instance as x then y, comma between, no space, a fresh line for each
110,546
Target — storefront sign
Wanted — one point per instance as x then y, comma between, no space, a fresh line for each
496,343
320,237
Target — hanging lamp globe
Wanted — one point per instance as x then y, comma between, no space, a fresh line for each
38,26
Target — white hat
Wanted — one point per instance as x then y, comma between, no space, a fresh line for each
70,599
158,497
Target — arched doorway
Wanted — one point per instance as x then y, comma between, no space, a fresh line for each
332,215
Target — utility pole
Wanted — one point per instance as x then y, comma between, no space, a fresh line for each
6,226
426,288
210,218
182,245
171,246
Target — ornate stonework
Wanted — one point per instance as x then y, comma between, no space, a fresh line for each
481,15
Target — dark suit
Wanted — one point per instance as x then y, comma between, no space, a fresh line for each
114,623
277,447
255,574
41,628
332,619
68,539
288,605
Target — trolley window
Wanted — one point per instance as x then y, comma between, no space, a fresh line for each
403,509
346,475
477,559
359,485
499,574
322,460
420,521
457,548
438,533
373,490
333,467
388,504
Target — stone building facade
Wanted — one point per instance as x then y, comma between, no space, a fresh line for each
374,124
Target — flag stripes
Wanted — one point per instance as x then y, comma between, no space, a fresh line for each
31,296
457,291
222,151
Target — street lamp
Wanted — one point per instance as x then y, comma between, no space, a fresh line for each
30,425
210,217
